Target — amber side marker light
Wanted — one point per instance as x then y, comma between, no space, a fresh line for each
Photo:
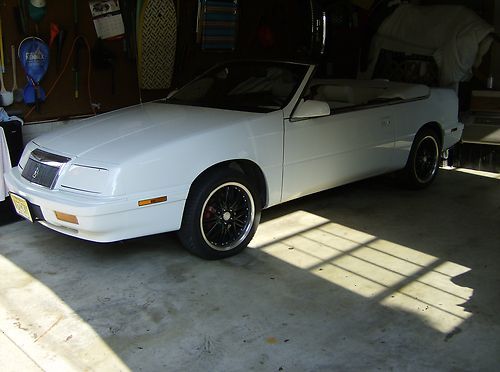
159,199
66,217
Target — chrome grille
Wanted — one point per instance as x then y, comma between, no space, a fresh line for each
43,168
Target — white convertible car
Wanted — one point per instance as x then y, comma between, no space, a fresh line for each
244,136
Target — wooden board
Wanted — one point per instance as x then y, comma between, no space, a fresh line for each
156,44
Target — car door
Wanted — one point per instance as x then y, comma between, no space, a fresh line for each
324,152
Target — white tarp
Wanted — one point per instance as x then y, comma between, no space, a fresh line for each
4,153
455,36
4,164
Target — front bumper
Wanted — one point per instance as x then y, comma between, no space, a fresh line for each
100,219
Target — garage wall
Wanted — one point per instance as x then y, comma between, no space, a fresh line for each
63,102
289,41
286,19
289,24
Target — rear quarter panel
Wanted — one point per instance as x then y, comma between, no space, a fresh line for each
440,107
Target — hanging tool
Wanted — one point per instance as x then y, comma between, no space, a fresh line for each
61,36
76,61
6,97
23,13
58,36
2,61
18,93
104,59
21,26
37,10
129,13
76,70
54,31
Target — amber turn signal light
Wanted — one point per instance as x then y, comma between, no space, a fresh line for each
66,217
159,199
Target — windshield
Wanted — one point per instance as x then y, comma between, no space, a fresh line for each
243,86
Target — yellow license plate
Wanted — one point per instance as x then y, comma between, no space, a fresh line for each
21,206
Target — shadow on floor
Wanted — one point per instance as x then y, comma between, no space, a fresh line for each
367,276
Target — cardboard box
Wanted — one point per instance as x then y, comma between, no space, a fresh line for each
485,101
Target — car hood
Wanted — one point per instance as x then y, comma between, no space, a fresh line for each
117,135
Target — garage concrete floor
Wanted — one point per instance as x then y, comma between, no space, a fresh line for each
364,277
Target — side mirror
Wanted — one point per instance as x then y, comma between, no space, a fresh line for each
311,109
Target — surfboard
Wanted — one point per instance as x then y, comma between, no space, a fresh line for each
138,11
156,44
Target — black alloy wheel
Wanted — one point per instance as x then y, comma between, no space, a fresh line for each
227,216
221,214
426,159
423,163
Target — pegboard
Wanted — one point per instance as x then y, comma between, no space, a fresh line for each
62,103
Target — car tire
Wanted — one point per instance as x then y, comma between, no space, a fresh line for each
423,162
221,214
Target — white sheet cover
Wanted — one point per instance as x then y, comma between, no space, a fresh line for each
4,164
454,35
